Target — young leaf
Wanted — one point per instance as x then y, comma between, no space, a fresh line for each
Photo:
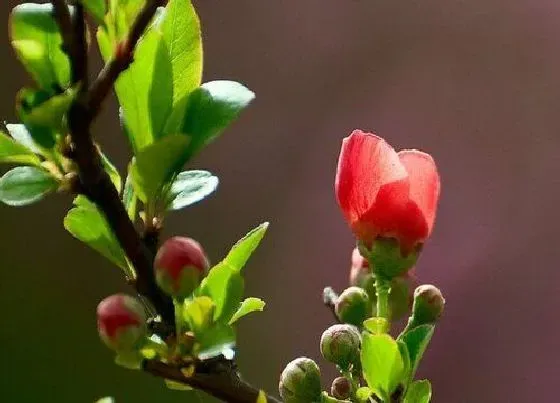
87,224
363,394
25,185
190,187
112,172
106,400
129,198
136,86
419,392
211,108
156,164
416,341
182,35
244,248
199,313
225,286
97,8
38,44
11,151
247,306
20,134
382,363
224,283
48,113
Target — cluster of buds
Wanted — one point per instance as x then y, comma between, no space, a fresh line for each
179,267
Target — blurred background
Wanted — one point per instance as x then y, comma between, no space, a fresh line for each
474,83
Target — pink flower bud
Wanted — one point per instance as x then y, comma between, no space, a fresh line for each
180,266
383,193
121,322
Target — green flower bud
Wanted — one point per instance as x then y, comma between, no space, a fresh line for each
428,305
300,382
353,306
340,344
341,388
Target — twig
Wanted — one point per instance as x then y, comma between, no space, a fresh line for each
217,378
329,299
124,55
95,182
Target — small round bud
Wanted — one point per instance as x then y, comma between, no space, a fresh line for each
121,322
353,306
340,344
180,266
341,388
428,305
300,382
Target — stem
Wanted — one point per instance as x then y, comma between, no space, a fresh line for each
216,377
382,288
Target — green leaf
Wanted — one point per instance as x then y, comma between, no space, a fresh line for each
363,394
25,185
20,134
190,187
97,8
144,92
224,283
225,286
183,39
382,363
405,358
419,392
112,172
37,112
130,199
156,165
417,341
211,108
106,400
13,152
199,313
87,224
38,44
244,248
247,306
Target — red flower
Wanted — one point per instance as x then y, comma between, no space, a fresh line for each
383,193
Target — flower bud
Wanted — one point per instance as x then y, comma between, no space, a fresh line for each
340,344
353,306
121,322
300,382
341,388
428,305
180,266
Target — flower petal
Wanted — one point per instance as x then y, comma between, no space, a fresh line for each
424,183
365,165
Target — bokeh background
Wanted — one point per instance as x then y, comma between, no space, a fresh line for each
475,83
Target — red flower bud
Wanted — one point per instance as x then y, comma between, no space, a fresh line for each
180,266
121,322
383,193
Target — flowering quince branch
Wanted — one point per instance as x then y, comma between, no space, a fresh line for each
182,326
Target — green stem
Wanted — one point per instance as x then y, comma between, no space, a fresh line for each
178,304
382,288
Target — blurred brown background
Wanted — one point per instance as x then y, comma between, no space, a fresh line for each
474,83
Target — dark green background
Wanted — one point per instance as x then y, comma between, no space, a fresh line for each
474,83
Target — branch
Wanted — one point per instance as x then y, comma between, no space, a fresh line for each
123,57
95,182
215,377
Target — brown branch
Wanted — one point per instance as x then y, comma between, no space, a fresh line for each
95,182
218,378
123,57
